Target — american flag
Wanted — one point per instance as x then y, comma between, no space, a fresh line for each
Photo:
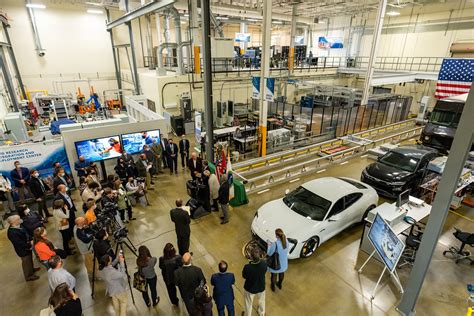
455,77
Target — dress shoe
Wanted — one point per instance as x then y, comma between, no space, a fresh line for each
32,278
224,222
279,285
133,218
157,301
151,189
148,304
222,217
272,286
36,269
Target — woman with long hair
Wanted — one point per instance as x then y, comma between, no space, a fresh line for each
169,263
146,267
281,247
61,215
202,301
65,302
45,248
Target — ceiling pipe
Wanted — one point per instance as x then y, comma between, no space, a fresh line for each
31,14
177,33
160,52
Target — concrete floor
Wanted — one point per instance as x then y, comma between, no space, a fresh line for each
325,284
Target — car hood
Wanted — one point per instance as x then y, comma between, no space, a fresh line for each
386,173
431,129
276,214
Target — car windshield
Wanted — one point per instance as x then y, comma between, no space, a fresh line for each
445,118
308,204
400,161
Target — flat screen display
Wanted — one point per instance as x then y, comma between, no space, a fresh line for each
99,148
403,198
133,143
385,241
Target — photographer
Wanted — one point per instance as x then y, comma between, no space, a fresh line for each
123,202
92,191
102,246
84,237
137,190
116,283
90,216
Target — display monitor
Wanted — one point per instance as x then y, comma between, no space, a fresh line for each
403,198
99,148
133,143
385,241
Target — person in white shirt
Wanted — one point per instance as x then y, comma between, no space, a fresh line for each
6,191
61,216
57,274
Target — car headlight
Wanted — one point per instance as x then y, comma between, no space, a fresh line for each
294,242
427,138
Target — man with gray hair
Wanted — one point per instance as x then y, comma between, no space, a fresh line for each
224,198
21,241
57,274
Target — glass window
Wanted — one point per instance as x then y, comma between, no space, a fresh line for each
351,199
337,208
444,118
308,204
354,183
400,161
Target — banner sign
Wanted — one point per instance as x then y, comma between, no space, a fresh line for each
270,89
197,127
40,156
255,88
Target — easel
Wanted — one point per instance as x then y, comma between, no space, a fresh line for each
392,273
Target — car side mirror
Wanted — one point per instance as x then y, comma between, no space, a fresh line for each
287,191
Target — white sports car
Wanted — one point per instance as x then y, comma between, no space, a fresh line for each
314,212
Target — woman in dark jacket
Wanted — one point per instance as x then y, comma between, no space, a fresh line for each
146,266
31,220
202,301
169,263
65,302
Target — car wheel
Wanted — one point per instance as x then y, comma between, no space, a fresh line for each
366,213
309,247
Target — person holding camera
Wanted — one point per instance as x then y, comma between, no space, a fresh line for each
123,202
31,220
90,216
61,216
146,266
84,237
188,278
65,302
102,246
92,191
202,301
115,280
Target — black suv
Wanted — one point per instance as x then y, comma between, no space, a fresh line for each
398,170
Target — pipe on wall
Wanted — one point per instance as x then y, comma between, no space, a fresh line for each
177,33
31,14
160,52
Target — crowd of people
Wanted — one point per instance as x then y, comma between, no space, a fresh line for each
117,194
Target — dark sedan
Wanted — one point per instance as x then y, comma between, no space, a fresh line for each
398,170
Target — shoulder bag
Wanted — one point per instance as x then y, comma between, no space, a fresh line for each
139,281
273,262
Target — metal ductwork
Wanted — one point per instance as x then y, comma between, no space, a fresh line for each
217,25
177,30
31,14
160,53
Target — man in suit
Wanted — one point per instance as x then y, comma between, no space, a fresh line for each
188,278
223,292
195,165
181,220
143,169
39,189
149,157
223,198
20,177
63,195
81,167
172,152
184,150
157,151
22,243
60,178
164,147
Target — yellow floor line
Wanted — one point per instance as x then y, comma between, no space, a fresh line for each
460,215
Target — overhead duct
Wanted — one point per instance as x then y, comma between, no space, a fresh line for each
160,53
31,14
217,25
177,30
462,49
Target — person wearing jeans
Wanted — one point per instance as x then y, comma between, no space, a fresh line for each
116,283
146,267
254,275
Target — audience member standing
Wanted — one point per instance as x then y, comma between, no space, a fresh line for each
39,188
188,278
22,243
195,166
57,274
84,237
149,157
164,148
65,302
157,151
254,275
44,247
20,177
213,189
115,283
184,150
143,170
169,263
123,202
31,220
6,194
63,195
223,292
181,220
172,151
146,267
59,179
224,199
281,247
81,167
61,215
202,301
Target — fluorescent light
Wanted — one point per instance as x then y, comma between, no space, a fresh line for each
95,11
393,13
253,20
222,18
321,22
277,22
35,6
185,15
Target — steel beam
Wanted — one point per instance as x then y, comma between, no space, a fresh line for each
15,65
8,81
206,55
457,158
118,76
148,8
134,59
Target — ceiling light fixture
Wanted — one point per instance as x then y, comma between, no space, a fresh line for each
393,13
35,6
277,22
93,3
253,20
185,15
222,18
95,11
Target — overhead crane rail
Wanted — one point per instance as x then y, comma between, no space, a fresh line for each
262,173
